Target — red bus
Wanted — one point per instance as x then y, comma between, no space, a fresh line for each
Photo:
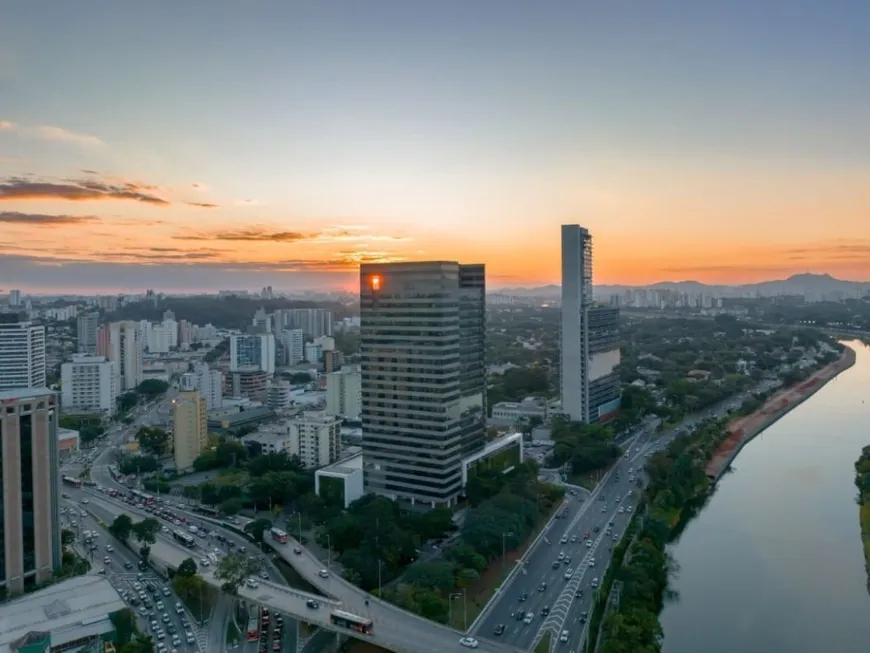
253,629
278,535
351,622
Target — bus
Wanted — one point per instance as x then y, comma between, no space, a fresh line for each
74,482
351,622
141,497
254,626
278,535
208,511
184,538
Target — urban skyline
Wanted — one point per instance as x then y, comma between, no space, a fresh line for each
246,149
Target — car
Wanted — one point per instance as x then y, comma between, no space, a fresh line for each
153,624
107,560
252,583
615,537
621,510
594,582
204,562
498,630
165,617
523,596
628,509
569,573
528,618
128,564
165,591
588,544
323,573
561,555
469,642
578,594
603,508
109,548
564,636
159,605
584,616
312,604
573,538
556,564
564,539
264,575
591,562
85,501
519,615
543,586
179,609
545,610
567,560
161,634
189,637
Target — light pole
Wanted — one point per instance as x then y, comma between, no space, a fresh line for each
299,515
450,607
328,551
380,585
503,550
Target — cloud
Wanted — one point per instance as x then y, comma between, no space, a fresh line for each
42,219
249,234
857,250
89,172
5,124
202,205
199,187
51,133
246,203
17,188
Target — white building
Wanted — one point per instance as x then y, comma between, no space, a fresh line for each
294,344
511,412
279,394
313,352
88,385
269,441
576,300
120,342
252,351
348,471
315,438
22,352
14,298
210,384
160,338
86,330
344,392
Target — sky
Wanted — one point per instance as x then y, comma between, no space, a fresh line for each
236,144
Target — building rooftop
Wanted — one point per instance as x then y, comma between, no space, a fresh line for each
495,445
243,417
350,463
24,393
72,605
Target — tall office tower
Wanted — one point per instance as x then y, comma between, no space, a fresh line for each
120,342
589,337
14,298
253,351
314,322
189,423
294,346
423,406
210,384
87,325
88,385
30,546
576,299
22,352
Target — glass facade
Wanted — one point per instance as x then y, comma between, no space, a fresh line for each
2,511
28,535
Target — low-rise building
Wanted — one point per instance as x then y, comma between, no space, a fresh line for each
315,437
268,441
511,412
88,385
343,478
67,616
67,441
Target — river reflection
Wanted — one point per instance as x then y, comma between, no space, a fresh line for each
774,562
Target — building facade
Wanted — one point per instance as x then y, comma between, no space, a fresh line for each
513,412
88,385
189,427
344,393
576,299
87,326
604,356
294,346
423,378
314,322
253,351
210,384
121,343
249,384
315,438
30,550
22,352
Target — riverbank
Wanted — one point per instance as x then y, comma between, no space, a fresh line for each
741,431
862,482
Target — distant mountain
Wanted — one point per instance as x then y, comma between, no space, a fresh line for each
798,284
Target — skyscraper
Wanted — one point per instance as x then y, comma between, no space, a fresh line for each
87,325
589,336
423,377
30,538
252,351
120,342
22,352
189,423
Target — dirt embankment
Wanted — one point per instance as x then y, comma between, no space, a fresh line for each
743,429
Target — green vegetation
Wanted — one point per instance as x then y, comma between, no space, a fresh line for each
128,637
153,441
518,383
192,589
862,481
137,464
677,483
544,645
152,388
234,569
586,447
144,532
378,542
90,427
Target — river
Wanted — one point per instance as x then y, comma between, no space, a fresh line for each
774,561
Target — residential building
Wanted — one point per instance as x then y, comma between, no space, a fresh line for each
159,338
268,441
120,342
344,393
313,352
88,385
87,325
423,377
294,346
253,351
262,322
279,394
14,298
189,425
589,382
72,615
513,412
315,438
332,360
314,322
210,384
22,352
250,384
30,549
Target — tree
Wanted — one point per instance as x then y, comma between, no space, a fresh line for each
67,537
144,552
152,388
142,644
234,569
146,530
121,527
125,625
188,587
231,506
257,527
152,440
126,402
186,568
138,465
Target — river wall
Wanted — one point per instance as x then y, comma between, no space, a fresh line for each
744,429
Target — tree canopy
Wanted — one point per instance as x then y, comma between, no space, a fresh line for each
153,440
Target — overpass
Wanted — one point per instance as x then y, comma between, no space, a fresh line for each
394,629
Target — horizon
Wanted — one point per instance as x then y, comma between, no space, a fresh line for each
275,144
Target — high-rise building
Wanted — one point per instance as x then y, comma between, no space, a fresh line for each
30,549
14,298
189,424
344,393
252,351
315,438
314,322
88,385
120,342
294,346
279,395
248,384
87,325
423,377
210,384
22,352
589,335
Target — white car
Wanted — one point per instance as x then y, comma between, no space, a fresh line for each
85,501
252,583
323,573
469,642
569,573
621,510
564,636
591,562
204,562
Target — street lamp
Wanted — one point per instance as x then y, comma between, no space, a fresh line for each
503,550
450,607
328,551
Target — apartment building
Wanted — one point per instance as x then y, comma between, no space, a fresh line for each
344,393
88,385
22,352
315,437
189,424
